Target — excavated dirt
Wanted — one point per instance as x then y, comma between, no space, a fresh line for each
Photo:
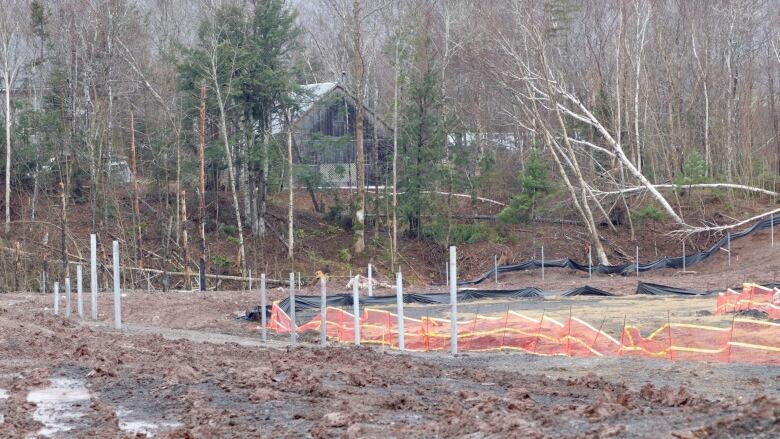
148,379
184,366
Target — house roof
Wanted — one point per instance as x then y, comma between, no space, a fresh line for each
314,93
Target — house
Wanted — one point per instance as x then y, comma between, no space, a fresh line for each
324,133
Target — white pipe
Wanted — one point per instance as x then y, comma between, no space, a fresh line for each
399,299
453,300
93,284
117,289
79,292
293,326
356,310
323,313
263,322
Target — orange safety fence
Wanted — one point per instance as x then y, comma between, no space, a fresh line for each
743,340
752,297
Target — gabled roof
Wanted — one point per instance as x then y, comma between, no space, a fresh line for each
314,93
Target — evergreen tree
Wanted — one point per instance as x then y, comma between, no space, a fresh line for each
535,183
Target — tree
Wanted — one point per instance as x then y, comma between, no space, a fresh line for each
11,53
535,183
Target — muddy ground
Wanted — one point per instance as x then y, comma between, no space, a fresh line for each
212,377
185,366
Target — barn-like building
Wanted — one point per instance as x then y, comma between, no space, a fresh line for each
324,133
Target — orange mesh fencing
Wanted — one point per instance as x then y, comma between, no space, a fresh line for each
752,297
743,340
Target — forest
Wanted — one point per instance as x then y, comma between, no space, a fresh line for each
177,126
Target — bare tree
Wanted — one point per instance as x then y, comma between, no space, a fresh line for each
11,51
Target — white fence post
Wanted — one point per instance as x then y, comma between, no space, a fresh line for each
542,262
93,283
79,292
399,299
117,289
728,240
263,321
772,230
67,297
637,261
250,280
56,298
453,300
495,269
356,309
323,312
590,263
683,255
370,280
293,326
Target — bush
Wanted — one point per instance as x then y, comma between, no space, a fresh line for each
649,212
222,261
535,183
227,230
694,170
234,240
344,255
461,233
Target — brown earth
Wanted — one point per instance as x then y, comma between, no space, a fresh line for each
201,384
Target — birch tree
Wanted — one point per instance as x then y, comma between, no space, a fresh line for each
12,54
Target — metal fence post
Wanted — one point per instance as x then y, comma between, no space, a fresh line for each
453,300
93,283
323,312
356,310
293,326
637,261
117,289
542,262
79,292
56,298
728,240
399,299
495,269
370,280
67,297
263,316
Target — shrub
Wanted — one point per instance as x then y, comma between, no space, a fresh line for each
649,212
227,230
222,261
344,255
694,170
535,183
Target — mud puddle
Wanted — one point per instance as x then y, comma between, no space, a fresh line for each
61,407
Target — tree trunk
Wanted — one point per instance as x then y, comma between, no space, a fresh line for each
394,249
136,201
359,244
8,128
231,170
290,190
